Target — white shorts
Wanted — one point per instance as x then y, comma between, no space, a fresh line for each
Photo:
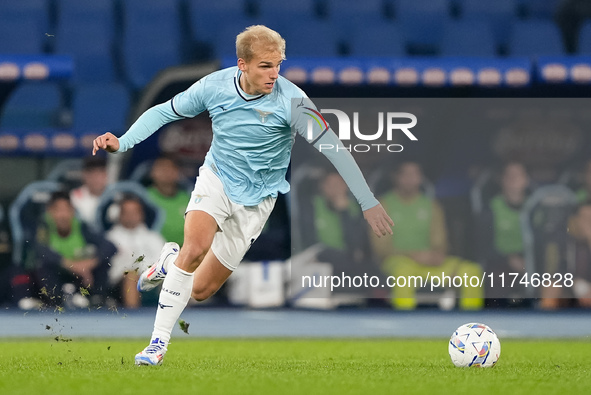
239,226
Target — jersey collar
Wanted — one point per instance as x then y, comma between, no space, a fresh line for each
241,93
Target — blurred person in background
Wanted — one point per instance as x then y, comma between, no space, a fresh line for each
85,198
66,252
419,244
166,194
584,193
500,241
580,231
137,248
337,219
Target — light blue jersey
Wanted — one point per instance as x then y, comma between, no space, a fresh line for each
252,135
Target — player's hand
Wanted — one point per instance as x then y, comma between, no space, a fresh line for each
106,141
379,220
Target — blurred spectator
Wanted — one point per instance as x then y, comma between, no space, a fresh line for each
584,192
500,229
137,248
6,268
340,226
419,244
580,230
66,252
85,199
165,193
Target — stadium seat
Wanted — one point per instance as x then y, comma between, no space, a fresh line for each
151,39
100,108
206,18
535,38
499,14
33,105
585,39
73,12
20,36
539,8
467,38
114,192
24,213
89,42
381,39
16,10
303,8
352,17
422,23
319,39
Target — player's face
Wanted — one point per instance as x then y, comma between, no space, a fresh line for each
260,73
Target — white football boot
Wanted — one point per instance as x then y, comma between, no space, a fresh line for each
155,274
153,354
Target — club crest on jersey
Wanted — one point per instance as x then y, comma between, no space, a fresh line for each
263,114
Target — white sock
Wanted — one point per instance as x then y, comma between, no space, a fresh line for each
174,296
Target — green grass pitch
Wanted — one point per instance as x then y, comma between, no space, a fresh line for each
307,367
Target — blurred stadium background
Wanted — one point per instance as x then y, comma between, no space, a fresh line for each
70,70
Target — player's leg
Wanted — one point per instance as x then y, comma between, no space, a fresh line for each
209,277
200,229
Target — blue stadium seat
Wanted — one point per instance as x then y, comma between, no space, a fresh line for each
585,39
539,8
467,38
151,39
536,38
319,38
305,8
16,10
89,42
381,39
74,12
33,105
100,108
21,36
352,17
206,18
422,23
500,15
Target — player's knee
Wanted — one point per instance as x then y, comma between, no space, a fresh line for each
202,293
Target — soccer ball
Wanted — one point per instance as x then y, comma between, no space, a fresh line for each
474,345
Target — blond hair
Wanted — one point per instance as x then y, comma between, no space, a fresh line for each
261,37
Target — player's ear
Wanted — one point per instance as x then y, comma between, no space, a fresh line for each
241,64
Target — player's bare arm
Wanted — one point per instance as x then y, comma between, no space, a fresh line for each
108,141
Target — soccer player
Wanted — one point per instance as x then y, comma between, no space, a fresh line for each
254,126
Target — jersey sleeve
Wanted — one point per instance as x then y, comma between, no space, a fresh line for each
191,102
309,123
186,104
